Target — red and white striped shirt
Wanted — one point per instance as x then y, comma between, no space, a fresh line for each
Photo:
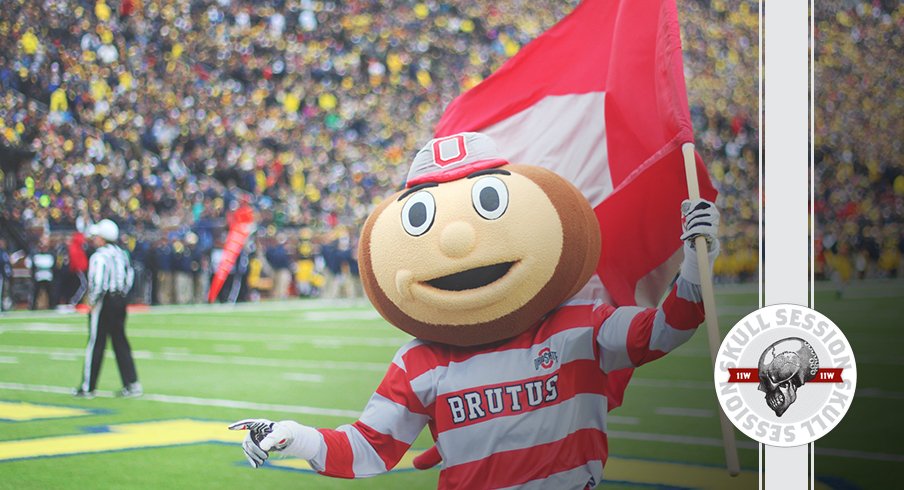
527,412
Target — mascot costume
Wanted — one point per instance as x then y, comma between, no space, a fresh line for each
484,263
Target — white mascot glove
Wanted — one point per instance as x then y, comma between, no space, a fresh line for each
287,436
699,217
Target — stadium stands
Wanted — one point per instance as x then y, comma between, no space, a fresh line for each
164,114
858,145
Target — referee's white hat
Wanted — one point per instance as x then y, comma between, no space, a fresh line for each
105,229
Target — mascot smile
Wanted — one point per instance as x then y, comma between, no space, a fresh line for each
479,250
515,364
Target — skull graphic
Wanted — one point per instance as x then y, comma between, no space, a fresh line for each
784,367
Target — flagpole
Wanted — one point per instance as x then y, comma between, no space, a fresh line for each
709,306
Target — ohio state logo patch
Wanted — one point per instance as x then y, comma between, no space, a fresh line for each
546,358
449,150
785,375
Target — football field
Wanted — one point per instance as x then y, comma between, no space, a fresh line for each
317,362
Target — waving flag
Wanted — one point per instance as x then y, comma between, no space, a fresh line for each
600,99
241,224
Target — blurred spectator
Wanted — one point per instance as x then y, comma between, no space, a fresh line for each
183,283
6,273
859,201
260,276
200,267
164,116
62,277
281,263
78,266
308,281
163,261
43,265
142,264
338,257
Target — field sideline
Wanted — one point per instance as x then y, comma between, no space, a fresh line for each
318,362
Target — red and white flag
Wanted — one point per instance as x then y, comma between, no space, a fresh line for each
600,99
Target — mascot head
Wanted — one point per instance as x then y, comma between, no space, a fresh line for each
475,250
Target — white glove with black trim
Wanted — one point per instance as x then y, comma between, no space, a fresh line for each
286,436
699,217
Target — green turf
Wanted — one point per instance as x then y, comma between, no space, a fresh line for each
314,354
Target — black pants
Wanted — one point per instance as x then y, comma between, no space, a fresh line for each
108,318
47,288
79,284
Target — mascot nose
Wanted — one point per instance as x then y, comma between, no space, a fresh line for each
457,239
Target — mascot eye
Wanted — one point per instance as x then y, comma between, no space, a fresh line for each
418,213
490,197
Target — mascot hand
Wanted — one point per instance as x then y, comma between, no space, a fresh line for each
287,436
699,217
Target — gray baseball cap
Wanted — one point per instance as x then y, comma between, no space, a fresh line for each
453,157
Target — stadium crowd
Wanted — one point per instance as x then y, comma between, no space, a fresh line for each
858,144
166,115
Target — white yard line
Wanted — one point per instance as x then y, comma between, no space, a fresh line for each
303,377
736,310
195,309
228,348
340,315
671,383
179,354
62,354
43,328
675,439
191,400
187,334
343,319
353,307
9,360
702,413
279,347
175,350
266,306
612,434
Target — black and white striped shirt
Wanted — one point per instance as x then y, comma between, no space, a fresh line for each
109,271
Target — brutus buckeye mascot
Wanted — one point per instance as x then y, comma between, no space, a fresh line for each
483,262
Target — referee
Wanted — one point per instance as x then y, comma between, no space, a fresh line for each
110,278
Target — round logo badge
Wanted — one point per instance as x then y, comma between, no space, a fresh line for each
785,375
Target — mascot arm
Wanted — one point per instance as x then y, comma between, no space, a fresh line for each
391,421
631,336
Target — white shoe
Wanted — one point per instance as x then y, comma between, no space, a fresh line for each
132,390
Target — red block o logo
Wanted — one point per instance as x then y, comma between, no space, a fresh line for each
449,150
